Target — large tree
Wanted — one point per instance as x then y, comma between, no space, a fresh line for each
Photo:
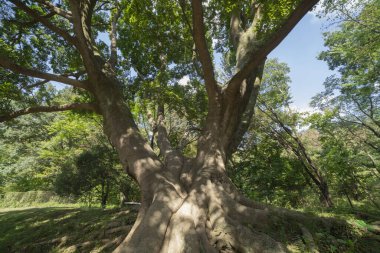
188,204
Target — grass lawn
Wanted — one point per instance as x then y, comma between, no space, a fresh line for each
74,229
63,229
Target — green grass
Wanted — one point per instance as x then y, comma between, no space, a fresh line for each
63,229
357,232
74,229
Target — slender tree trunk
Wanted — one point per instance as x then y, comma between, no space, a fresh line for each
102,196
105,193
299,150
349,200
325,194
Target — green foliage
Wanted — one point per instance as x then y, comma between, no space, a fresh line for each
349,122
265,167
95,175
37,158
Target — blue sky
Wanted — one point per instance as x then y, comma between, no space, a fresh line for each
300,50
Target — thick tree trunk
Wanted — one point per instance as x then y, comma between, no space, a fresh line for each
187,205
209,218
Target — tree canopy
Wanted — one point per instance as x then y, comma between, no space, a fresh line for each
175,85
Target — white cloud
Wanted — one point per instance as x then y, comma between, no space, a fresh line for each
214,41
304,109
184,81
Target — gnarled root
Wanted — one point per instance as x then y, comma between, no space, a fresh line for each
213,218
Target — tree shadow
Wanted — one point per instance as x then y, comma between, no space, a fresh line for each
55,228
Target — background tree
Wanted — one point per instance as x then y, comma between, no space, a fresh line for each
95,176
349,124
276,128
37,158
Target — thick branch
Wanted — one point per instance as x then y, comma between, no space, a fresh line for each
34,14
270,44
246,108
82,13
173,158
6,63
34,85
199,37
53,108
235,27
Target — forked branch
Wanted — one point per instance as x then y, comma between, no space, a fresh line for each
271,43
6,63
82,11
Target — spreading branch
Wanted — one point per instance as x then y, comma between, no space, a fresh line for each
53,108
271,43
182,4
6,63
34,85
65,14
300,147
45,21
199,32
362,123
361,109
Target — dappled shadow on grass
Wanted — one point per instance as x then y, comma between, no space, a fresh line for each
54,229
332,230
313,232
